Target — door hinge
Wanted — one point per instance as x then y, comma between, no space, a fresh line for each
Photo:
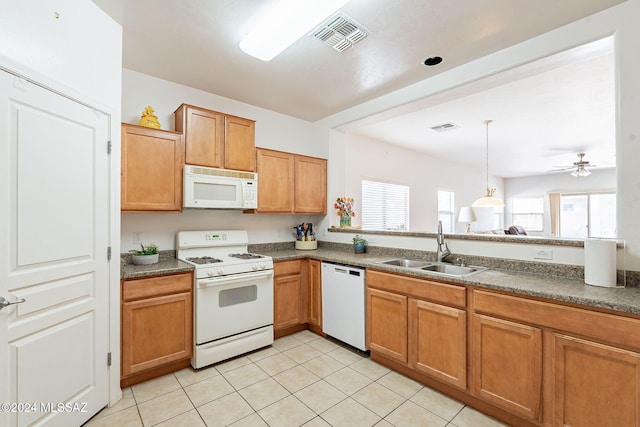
109,359
108,147
109,253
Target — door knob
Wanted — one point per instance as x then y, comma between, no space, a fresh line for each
4,303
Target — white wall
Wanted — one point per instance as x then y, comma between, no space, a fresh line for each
72,47
541,185
273,130
371,159
619,21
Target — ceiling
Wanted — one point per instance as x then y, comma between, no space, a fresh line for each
195,43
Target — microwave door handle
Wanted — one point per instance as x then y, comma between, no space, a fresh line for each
203,283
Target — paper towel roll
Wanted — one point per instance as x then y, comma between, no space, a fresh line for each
600,262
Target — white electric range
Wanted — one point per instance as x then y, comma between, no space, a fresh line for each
233,294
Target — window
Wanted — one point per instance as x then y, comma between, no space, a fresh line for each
446,210
528,212
384,206
588,215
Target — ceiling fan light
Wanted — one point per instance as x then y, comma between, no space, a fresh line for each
285,23
581,171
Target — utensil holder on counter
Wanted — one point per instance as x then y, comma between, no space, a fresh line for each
306,245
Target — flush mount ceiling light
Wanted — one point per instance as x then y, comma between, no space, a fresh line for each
285,23
488,200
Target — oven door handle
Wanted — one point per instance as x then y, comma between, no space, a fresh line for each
203,283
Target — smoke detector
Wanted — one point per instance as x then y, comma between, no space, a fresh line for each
340,32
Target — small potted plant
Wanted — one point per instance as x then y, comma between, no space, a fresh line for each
146,255
359,244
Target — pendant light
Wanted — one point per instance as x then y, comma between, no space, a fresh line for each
488,200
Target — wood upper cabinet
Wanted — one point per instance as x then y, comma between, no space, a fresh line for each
506,364
157,323
151,169
275,181
288,296
387,324
595,384
438,341
291,183
315,294
216,140
310,185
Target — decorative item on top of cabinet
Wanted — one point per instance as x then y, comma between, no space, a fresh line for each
151,169
148,119
215,139
291,183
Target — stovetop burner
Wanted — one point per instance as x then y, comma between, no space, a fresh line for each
246,255
203,260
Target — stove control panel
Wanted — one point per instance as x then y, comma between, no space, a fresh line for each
259,266
218,271
218,237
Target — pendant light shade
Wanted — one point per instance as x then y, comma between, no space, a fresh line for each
488,200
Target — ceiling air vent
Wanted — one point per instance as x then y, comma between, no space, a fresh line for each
340,32
445,127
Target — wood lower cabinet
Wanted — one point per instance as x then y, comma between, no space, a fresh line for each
315,295
507,364
157,326
289,306
595,385
151,169
438,341
215,139
387,324
291,183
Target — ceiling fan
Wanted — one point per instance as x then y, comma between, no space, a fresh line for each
579,168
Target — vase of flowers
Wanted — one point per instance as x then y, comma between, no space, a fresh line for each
344,209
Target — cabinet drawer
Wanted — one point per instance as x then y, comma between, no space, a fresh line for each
155,286
284,268
611,328
425,289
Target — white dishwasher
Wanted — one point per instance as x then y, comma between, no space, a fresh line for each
343,302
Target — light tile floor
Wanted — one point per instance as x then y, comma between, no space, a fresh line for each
302,379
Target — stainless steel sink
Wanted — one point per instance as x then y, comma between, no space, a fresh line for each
452,270
442,268
407,263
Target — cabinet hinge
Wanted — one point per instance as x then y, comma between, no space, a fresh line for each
108,147
109,253
109,359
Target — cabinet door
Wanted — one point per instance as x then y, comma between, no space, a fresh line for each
315,293
387,324
204,137
310,186
239,144
287,296
438,341
595,385
151,169
156,331
506,364
275,181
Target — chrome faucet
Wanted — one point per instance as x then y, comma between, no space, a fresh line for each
443,250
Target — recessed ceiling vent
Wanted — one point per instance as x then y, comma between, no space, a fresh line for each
340,32
445,127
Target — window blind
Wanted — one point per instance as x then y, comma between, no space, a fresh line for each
384,206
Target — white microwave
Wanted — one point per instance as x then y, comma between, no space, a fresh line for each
219,188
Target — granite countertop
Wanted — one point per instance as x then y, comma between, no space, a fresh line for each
558,287
546,286
166,265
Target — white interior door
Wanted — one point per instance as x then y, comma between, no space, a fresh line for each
54,233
